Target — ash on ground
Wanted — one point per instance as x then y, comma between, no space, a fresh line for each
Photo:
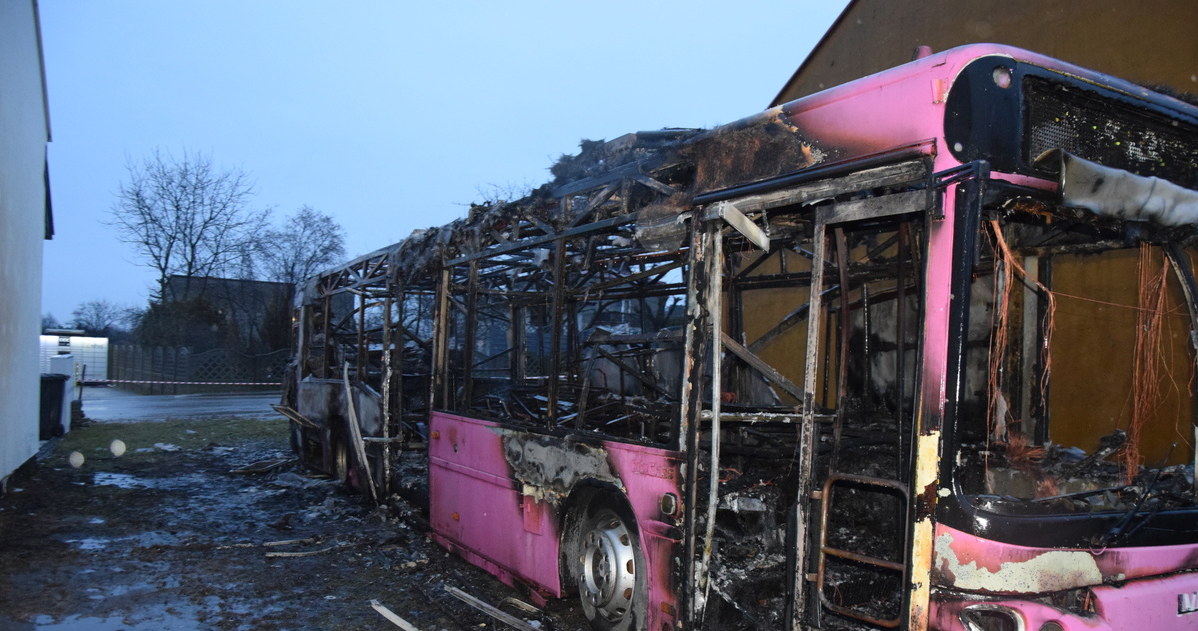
176,533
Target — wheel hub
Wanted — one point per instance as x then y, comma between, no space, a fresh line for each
608,577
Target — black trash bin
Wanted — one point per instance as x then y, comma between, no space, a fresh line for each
52,396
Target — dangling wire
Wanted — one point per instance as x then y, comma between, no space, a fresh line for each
1020,453
1148,360
1011,266
996,406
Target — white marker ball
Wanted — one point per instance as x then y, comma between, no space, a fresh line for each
117,447
76,459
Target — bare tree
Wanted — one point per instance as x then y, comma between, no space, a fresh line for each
187,217
98,317
308,242
494,194
50,322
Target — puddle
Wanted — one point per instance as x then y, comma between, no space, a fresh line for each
120,480
90,543
155,618
126,481
142,540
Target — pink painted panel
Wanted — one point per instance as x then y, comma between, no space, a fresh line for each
1110,564
945,616
1167,604
478,509
1133,587
475,504
648,474
903,105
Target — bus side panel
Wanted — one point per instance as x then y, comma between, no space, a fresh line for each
970,563
1151,588
321,401
478,511
1168,603
649,475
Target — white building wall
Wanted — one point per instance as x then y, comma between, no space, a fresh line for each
88,352
23,136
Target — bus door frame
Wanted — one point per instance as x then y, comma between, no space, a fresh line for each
716,211
827,219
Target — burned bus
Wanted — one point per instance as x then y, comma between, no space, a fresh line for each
914,352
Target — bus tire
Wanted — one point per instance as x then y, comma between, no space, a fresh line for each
610,571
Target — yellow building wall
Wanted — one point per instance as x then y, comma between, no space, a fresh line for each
1147,41
1093,358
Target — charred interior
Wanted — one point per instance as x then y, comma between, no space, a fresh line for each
865,370
1079,380
589,315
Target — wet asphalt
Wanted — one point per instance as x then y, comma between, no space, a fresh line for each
105,403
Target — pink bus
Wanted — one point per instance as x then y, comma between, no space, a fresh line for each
914,352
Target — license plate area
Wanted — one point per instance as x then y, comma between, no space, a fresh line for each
1187,602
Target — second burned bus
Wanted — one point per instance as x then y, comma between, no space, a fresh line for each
914,352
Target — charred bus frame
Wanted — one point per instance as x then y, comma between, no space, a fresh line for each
753,375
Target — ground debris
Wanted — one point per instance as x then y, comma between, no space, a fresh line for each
174,540
291,479
390,615
306,553
491,610
263,466
268,544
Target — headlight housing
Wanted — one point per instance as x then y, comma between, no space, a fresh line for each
991,618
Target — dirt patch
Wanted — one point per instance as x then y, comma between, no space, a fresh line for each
167,536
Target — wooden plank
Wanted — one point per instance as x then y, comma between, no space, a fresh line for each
391,617
355,433
668,337
490,610
904,172
874,207
765,369
751,231
296,417
660,187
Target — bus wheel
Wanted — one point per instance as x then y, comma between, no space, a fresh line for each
611,572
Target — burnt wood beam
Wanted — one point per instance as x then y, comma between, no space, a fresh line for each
758,364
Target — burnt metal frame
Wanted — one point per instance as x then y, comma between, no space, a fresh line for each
374,283
705,308
910,202
363,278
572,253
473,271
561,289
826,550
906,210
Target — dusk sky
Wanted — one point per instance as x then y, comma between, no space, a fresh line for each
389,116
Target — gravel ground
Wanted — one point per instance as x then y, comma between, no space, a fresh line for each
168,536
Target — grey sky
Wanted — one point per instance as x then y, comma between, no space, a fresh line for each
390,116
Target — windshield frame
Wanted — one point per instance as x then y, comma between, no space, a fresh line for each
980,514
